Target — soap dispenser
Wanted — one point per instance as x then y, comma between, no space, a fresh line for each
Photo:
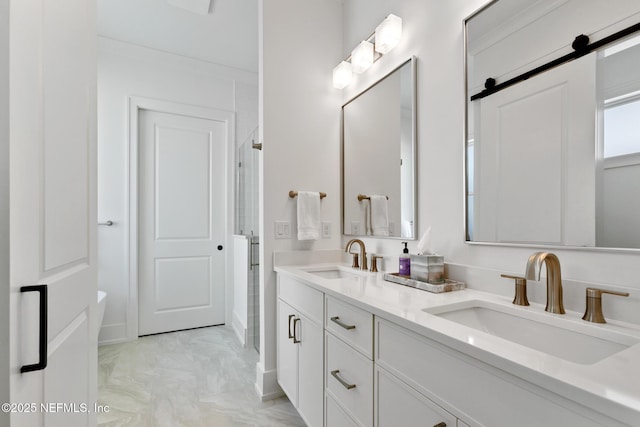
405,262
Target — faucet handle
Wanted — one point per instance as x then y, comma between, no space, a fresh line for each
593,311
374,262
355,263
520,297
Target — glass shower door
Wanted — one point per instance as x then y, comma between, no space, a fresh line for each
247,224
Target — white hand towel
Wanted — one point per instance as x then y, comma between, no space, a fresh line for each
308,215
379,216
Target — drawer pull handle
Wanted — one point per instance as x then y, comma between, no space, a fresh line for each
290,334
336,319
295,339
341,381
442,424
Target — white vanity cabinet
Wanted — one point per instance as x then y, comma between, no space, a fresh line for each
344,361
300,348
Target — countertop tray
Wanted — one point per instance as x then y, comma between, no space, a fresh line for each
447,286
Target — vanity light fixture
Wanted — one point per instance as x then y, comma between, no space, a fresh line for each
362,57
388,33
386,36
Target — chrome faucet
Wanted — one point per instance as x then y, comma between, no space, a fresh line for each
363,253
554,278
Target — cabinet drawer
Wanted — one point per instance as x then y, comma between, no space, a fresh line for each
336,416
352,324
474,391
397,404
304,298
349,380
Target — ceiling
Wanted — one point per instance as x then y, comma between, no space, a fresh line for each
227,35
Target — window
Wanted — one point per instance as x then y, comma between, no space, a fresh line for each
622,126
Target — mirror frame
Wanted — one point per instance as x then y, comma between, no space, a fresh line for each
465,161
414,144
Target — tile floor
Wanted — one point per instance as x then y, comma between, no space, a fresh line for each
199,377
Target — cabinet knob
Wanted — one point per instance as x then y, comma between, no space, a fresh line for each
442,424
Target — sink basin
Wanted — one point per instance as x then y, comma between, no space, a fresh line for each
334,272
567,340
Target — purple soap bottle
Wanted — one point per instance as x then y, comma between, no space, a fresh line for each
405,262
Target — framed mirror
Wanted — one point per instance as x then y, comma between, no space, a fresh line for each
379,158
552,158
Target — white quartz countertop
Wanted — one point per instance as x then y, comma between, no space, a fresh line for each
610,386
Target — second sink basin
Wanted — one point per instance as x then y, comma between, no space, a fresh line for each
571,341
334,272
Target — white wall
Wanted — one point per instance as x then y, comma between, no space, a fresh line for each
4,208
299,124
126,70
432,30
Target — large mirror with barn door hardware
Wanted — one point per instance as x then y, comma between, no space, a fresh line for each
552,141
379,157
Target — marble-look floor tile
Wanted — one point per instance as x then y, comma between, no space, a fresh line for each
200,377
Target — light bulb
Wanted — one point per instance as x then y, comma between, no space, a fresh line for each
342,75
388,34
362,56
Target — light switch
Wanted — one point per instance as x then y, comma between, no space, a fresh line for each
326,230
283,230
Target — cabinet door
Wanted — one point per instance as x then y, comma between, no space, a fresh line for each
287,352
397,404
310,371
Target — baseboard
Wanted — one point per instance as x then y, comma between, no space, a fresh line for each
239,329
113,334
266,386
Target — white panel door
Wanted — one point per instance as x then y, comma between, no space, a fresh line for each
535,169
53,211
182,214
